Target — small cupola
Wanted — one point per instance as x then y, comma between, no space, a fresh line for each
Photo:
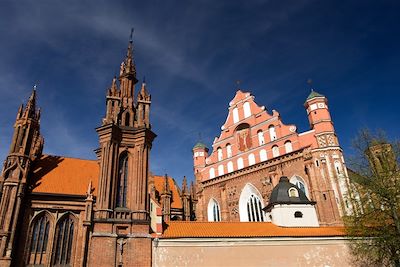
289,206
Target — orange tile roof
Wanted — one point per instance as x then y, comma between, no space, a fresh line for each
177,229
62,175
176,202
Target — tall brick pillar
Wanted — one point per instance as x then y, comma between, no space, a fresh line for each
121,224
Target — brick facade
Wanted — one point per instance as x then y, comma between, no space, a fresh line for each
256,148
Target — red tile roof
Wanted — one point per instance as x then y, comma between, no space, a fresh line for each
177,229
176,201
62,175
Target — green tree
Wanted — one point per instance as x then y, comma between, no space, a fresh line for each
374,226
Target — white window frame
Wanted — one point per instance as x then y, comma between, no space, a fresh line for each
235,114
246,110
240,163
275,151
260,136
252,159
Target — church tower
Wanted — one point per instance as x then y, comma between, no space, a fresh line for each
26,146
121,232
331,192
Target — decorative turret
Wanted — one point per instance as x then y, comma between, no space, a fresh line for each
318,113
185,196
26,146
200,153
143,106
166,195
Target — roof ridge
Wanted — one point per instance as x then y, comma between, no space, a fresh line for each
68,157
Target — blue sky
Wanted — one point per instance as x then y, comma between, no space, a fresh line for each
191,55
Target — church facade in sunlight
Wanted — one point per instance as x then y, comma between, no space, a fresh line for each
264,187
254,149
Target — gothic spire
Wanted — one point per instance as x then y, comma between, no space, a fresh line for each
184,186
144,94
30,109
128,66
166,189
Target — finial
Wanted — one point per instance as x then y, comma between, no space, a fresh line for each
131,37
34,87
238,82
310,82
144,79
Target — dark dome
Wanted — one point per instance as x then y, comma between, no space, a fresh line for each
200,145
280,194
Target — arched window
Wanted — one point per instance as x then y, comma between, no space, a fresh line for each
275,151
246,109
252,159
293,192
39,251
338,167
213,211
219,153
260,136
122,180
272,132
127,118
235,115
250,205
221,170
263,155
230,166
212,173
228,150
288,146
64,241
297,180
240,163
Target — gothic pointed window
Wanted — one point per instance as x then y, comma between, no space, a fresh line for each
250,205
122,180
213,211
39,251
63,242
254,209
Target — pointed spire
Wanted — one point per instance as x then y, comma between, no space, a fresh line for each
184,186
192,190
166,189
128,66
114,86
144,94
30,109
20,109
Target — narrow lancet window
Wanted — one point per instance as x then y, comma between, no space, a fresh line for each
64,242
122,181
40,234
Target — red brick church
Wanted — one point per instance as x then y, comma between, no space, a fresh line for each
264,185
